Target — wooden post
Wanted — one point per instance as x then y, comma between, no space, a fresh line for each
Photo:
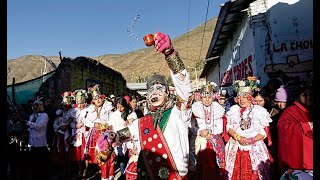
13,92
60,55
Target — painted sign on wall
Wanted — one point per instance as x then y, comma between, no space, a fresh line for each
293,46
239,71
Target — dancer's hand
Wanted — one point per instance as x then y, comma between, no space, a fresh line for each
204,133
97,125
242,141
163,43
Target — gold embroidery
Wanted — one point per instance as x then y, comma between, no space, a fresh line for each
175,63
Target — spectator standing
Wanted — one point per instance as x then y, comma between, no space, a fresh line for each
38,140
295,133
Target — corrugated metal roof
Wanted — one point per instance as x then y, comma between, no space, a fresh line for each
229,17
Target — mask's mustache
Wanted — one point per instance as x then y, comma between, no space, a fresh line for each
154,99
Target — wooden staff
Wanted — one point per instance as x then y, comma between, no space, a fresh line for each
15,109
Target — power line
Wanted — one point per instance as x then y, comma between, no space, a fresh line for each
204,29
188,28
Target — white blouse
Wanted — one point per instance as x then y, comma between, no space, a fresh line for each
79,116
117,122
215,112
38,130
92,116
260,118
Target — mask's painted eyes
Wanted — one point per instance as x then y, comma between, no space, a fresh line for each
158,87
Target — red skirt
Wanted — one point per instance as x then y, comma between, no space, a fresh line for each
107,169
132,171
242,168
78,152
59,155
207,167
92,153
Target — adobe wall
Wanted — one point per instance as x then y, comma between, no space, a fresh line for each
81,73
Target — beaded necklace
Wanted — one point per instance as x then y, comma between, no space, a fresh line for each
245,122
98,111
208,115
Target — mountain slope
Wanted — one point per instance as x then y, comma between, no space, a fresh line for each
135,66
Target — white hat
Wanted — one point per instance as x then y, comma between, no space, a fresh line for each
112,96
245,89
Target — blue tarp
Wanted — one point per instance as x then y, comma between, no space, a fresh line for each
25,91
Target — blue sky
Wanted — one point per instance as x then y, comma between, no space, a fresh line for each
97,27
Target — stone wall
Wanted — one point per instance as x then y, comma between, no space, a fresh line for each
81,73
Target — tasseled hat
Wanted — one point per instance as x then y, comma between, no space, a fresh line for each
66,98
207,87
247,85
95,92
80,96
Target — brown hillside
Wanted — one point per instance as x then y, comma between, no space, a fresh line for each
134,66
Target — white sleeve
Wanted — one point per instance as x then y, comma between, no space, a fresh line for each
41,124
88,122
74,113
97,121
133,116
263,132
201,123
182,85
264,116
134,130
108,106
218,121
56,123
232,117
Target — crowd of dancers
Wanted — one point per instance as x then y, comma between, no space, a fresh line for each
250,132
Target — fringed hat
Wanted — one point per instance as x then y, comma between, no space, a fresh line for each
207,88
95,92
80,96
66,98
246,86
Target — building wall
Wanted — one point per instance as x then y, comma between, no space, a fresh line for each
273,39
82,73
237,59
291,38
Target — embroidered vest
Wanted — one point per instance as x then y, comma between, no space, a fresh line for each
157,158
